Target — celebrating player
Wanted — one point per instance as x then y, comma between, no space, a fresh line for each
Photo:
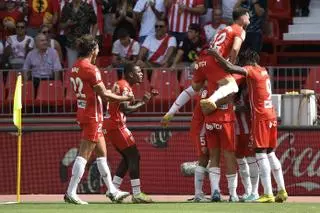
119,135
220,84
90,92
248,167
264,122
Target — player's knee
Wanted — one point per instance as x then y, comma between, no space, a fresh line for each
203,160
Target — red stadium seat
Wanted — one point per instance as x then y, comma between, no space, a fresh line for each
11,79
167,84
50,93
109,77
106,45
70,99
280,9
28,94
103,61
185,78
66,78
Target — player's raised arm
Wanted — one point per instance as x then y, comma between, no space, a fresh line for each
228,66
107,95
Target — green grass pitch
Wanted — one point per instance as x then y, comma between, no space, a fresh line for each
162,208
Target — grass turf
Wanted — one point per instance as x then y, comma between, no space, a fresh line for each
162,208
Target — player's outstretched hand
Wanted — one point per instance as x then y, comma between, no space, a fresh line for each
146,97
166,120
154,92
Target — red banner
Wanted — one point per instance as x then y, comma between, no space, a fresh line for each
47,158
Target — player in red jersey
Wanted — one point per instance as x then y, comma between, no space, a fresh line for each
116,131
264,122
91,93
197,134
228,41
247,163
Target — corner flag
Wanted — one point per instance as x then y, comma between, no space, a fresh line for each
17,105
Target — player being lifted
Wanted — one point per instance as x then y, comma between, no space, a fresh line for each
119,135
264,122
220,84
91,93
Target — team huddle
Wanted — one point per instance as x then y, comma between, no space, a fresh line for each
244,133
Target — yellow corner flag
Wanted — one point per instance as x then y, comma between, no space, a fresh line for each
17,106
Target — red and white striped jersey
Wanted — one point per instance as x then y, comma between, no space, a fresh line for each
179,20
243,119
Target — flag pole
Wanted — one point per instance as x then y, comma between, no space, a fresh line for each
17,106
19,166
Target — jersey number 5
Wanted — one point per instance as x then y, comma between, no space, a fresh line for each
77,87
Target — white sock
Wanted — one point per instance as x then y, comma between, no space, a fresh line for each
182,99
135,184
198,180
224,91
77,173
214,176
276,170
232,184
265,172
254,174
105,174
245,175
117,181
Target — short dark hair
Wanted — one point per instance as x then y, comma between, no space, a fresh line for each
238,12
248,57
122,33
128,67
85,45
195,27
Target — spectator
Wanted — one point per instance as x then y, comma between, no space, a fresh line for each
41,12
76,20
122,17
107,8
125,49
147,12
258,11
227,9
9,18
211,28
18,46
97,7
181,14
207,16
42,61
301,7
158,48
45,29
190,47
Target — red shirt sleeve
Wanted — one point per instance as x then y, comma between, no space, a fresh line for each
94,76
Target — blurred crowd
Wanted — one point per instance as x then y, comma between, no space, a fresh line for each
40,35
